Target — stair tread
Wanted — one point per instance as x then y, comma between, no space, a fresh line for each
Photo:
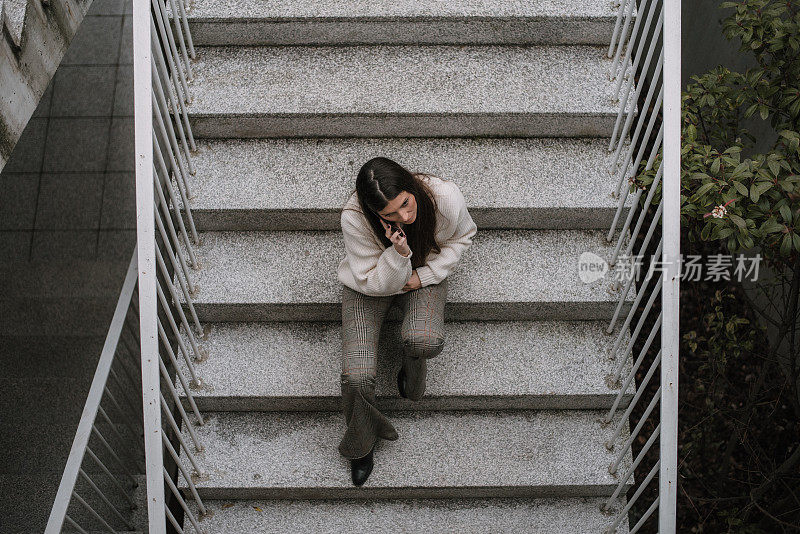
480,454
525,364
250,271
546,182
375,79
433,516
403,22
277,9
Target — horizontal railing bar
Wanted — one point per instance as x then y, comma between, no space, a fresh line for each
635,497
93,512
102,496
163,335
69,520
645,517
186,475
623,40
188,513
629,379
111,477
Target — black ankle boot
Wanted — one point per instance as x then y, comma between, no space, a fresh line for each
362,467
401,383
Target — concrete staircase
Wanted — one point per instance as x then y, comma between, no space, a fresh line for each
512,101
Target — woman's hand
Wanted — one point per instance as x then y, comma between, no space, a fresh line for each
398,240
413,282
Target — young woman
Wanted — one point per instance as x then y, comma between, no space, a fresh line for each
403,234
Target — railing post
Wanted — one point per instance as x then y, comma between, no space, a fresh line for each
145,225
672,234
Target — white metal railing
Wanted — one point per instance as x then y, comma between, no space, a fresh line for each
655,32
164,145
99,480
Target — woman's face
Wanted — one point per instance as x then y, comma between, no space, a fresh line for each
401,209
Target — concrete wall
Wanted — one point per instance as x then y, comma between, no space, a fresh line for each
67,191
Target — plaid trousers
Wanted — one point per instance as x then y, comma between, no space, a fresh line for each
422,337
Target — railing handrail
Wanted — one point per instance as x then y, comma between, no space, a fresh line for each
665,81
671,228
89,414
162,50
145,242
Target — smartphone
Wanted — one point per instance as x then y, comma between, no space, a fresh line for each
396,228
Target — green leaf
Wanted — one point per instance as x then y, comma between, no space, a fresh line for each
738,221
715,165
743,166
786,213
703,189
725,232
796,241
741,188
755,193
771,226
786,245
774,167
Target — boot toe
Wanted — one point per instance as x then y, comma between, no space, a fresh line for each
401,383
361,468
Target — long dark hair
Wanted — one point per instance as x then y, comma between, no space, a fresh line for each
381,180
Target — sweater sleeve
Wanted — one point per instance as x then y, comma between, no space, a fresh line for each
376,272
439,265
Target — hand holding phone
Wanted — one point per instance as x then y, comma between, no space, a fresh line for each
396,235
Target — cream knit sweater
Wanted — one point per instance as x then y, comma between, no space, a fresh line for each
371,269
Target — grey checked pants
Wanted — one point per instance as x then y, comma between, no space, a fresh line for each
422,337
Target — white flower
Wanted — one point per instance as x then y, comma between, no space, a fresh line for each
719,211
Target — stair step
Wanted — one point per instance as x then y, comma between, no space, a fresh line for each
505,275
497,365
294,455
507,183
214,22
403,91
433,516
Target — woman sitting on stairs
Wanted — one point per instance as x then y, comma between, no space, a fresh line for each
403,234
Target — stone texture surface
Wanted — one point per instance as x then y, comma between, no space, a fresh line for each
412,22
407,91
293,455
277,9
293,366
275,184
434,516
504,275
14,13
33,42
